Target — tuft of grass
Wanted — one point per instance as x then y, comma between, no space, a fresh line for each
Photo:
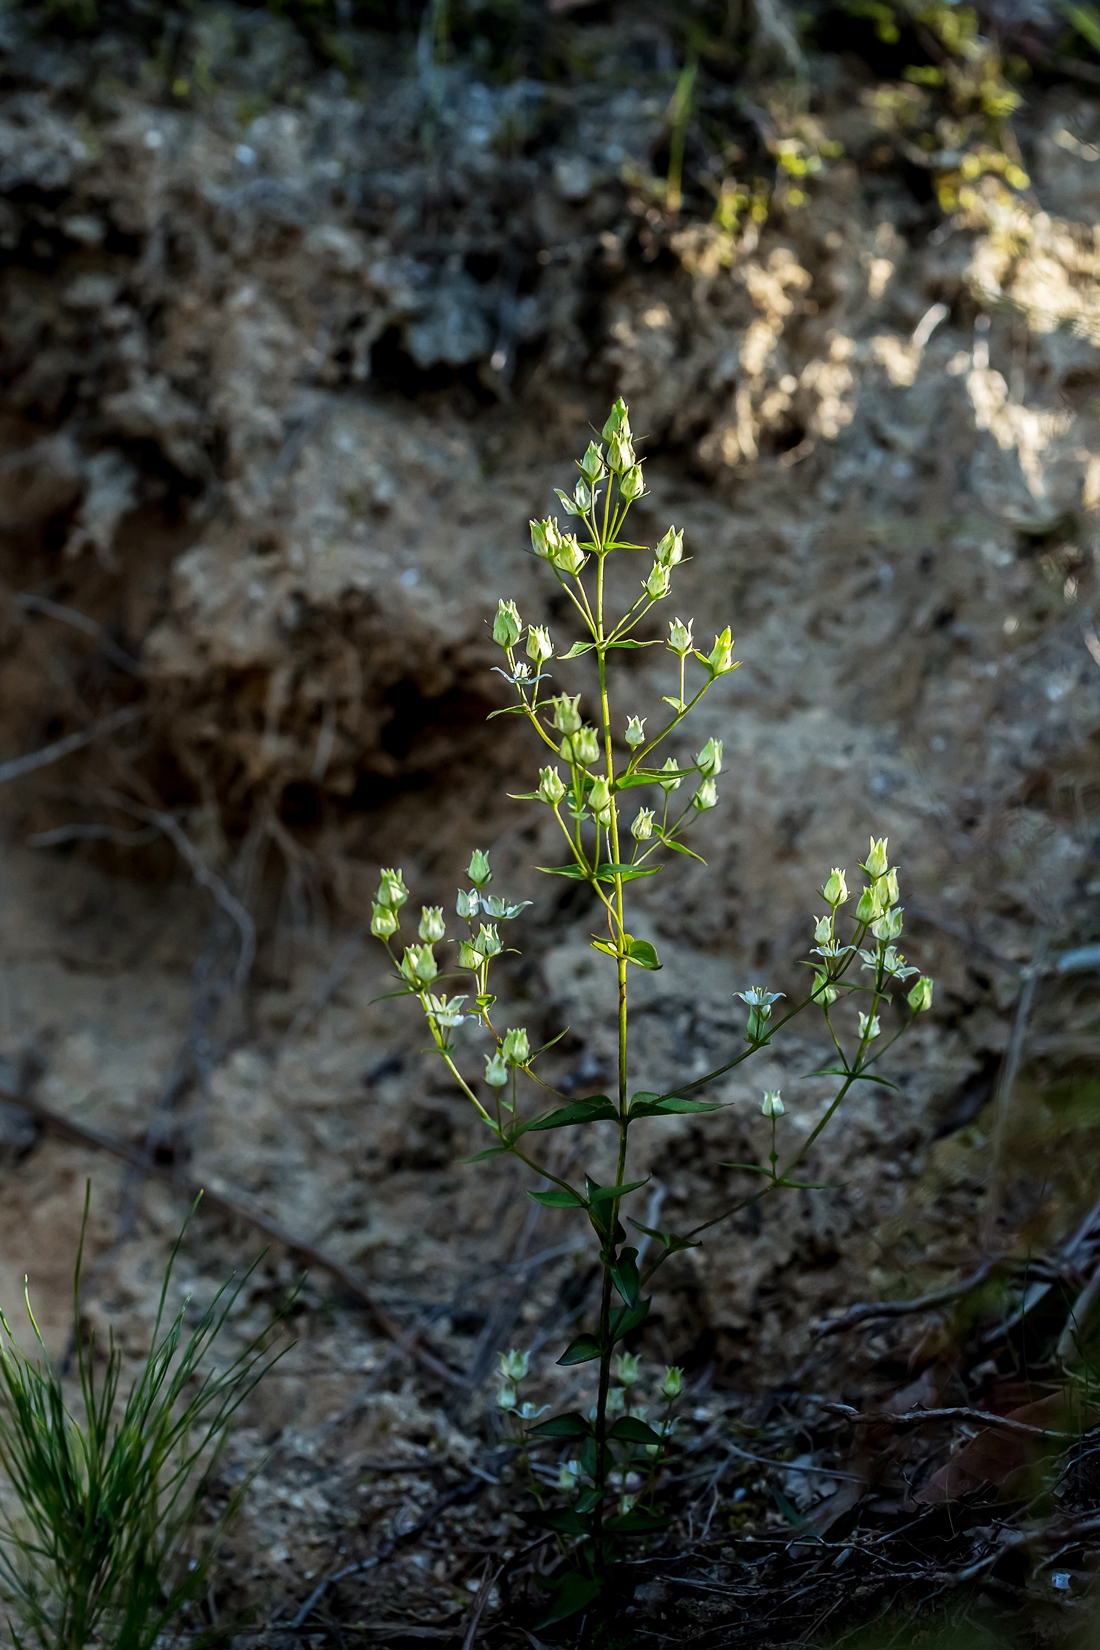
103,1542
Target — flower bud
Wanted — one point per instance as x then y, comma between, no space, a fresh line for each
635,731
568,1473
618,421
496,1071
720,658
506,1397
823,930
383,922
823,991
514,1365
467,903
418,965
488,940
671,548
642,828
627,1365
515,1048
592,465
673,1383
616,1401
835,890
773,1103
631,485
892,886
551,786
392,890
567,555
432,926
620,454
675,779
540,540
889,926
709,759
599,799
658,582
877,861
583,497
920,998
539,645
584,747
869,1028
567,718
469,956
507,625
705,797
870,906
478,869
680,638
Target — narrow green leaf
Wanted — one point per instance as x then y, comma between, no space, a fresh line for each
667,841
597,1109
629,1430
524,796
568,1522
639,777
642,953
629,642
807,1185
748,1168
588,1499
668,1240
624,1275
559,1197
570,1425
652,1105
577,649
581,1351
507,710
574,1592
480,1157
608,872
573,871
856,1076
628,1318
605,1194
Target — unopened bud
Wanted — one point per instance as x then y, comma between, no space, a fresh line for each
568,1473
658,582
675,777
892,886
620,455
877,860
627,1367
823,930
584,747
515,1048
567,556
468,903
567,718
720,658
705,797
507,625
551,786
383,922
823,992
920,998
392,890
599,800
889,927
835,890
506,1397
592,466
870,906
432,927
642,828
618,421
540,540
514,1365
488,940
539,645
673,1383
631,485
418,965
869,1028
469,956
709,759
496,1071
680,638
635,731
671,548
773,1103
478,869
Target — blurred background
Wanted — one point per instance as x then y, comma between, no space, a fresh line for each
306,309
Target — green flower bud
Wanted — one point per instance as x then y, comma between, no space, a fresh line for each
507,625
488,940
567,556
642,828
469,956
592,465
551,786
568,1473
720,658
392,890
620,454
567,718
506,1393
877,861
540,537
673,1383
515,1048
892,886
773,1103
705,797
920,998
823,930
835,890
631,485
618,421
418,965
635,731
869,1028
823,992
582,747
616,1401
539,645
709,759
496,1070
680,638
383,922
432,926
478,869
671,548
658,582
514,1365
889,926
675,779
583,497
599,800
468,903
627,1367
869,908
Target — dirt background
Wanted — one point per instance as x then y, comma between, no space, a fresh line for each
288,358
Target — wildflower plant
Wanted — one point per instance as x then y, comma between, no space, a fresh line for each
597,772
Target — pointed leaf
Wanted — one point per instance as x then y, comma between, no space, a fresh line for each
624,1275
480,1157
629,642
574,1592
588,1499
568,1522
559,1197
748,1168
639,777
677,847
608,872
672,1105
574,871
507,710
577,649
605,1194
670,1240
581,1351
629,1430
628,1318
570,1425
856,1076
642,953
597,1109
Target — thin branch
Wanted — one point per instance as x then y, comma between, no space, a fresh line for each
899,1309
80,621
21,765
914,1416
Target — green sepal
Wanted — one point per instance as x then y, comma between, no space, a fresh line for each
635,1522
570,1425
576,650
524,796
667,842
606,1194
573,1593
559,1197
644,1104
485,1000
597,1109
629,1430
628,1318
641,952
624,1275
581,1351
